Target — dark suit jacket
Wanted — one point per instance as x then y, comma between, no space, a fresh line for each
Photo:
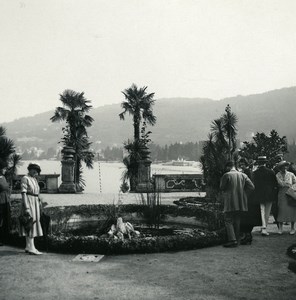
265,185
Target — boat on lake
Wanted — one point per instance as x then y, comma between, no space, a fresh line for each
181,162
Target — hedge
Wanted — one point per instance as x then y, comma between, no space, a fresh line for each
98,245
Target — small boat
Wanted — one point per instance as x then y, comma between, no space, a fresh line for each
180,162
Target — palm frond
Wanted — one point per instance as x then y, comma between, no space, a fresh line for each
7,148
60,114
2,131
87,120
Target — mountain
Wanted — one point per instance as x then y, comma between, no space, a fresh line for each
178,119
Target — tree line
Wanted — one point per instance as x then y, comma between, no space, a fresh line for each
175,151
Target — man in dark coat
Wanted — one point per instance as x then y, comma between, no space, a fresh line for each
265,190
234,185
252,217
274,208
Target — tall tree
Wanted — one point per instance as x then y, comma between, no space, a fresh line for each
138,104
220,147
262,144
229,121
74,113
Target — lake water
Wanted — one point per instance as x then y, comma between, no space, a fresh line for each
111,173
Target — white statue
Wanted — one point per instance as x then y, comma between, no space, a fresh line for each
122,229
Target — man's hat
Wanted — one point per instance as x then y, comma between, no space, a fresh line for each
262,159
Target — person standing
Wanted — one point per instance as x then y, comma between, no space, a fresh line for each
274,207
30,196
287,213
252,217
278,158
234,185
265,191
4,204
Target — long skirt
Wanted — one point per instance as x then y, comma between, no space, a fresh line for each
286,213
252,217
5,220
34,212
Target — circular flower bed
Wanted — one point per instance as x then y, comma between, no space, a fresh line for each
64,243
68,239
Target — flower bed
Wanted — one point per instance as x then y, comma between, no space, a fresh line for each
95,244
65,239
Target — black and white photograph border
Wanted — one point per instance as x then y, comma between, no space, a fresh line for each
147,149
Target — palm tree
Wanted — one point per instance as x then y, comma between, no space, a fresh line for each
138,104
229,120
219,148
74,112
7,147
8,155
75,107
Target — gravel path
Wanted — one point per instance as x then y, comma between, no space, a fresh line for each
254,272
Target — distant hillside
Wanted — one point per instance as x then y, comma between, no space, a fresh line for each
178,119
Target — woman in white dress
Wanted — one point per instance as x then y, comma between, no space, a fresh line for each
286,212
30,196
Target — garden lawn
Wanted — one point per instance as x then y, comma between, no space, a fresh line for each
254,272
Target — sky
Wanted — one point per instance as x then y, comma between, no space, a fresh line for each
185,48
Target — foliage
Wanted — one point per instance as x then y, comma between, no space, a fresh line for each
220,147
131,161
8,156
135,152
74,112
124,187
264,145
66,242
187,151
213,208
13,164
93,244
138,104
151,211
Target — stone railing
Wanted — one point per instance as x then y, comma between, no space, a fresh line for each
178,182
48,183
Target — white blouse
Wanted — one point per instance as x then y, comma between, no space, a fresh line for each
287,179
30,185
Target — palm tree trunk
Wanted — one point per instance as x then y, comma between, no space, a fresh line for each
136,120
136,130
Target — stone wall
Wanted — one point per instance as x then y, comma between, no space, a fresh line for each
178,182
48,183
